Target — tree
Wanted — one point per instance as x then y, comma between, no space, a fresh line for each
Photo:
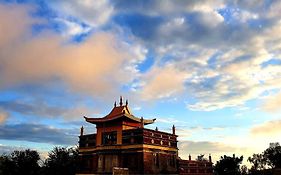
228,165
20,163
201,158
61,161
258,161
244,170
272,155
7,166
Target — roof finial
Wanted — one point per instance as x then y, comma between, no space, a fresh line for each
121,101
127,103
115,104
82,131
210,158
174,129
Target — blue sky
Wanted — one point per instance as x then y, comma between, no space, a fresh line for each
211,68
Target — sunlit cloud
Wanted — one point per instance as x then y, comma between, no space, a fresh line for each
270,128
94,67
273,104
3,116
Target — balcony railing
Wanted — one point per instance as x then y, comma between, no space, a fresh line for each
87,140
136,136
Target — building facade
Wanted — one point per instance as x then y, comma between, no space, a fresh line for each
195,167
122,141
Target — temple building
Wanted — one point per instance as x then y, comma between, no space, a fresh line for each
200,166
122,141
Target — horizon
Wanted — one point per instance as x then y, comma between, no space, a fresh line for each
211,68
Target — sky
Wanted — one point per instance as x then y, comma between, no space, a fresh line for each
211,68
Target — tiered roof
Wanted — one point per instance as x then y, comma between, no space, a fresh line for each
121,111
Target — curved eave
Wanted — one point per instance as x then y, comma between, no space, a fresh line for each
104,119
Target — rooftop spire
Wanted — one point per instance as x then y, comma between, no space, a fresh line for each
121,101
127,103
115,104
82,131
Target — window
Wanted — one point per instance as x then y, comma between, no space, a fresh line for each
156,159
172,160
109,138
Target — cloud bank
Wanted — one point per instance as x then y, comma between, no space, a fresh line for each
38,133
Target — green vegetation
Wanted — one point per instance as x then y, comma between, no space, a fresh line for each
27,162
266,163
228,165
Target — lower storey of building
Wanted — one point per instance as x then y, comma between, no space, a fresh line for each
145,161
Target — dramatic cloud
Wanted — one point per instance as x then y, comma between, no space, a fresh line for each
38,133
100,65
271,128
216,55
220,52
61,60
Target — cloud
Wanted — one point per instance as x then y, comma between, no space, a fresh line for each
166,7
203,146
100,65
9,16
3,116
273,104
216,149
201,53
89,11
38,133
162,83
72,28
36,108
270,128
235,39
39,108
4,149
201,45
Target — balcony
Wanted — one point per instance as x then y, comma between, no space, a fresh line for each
135,137
87,140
